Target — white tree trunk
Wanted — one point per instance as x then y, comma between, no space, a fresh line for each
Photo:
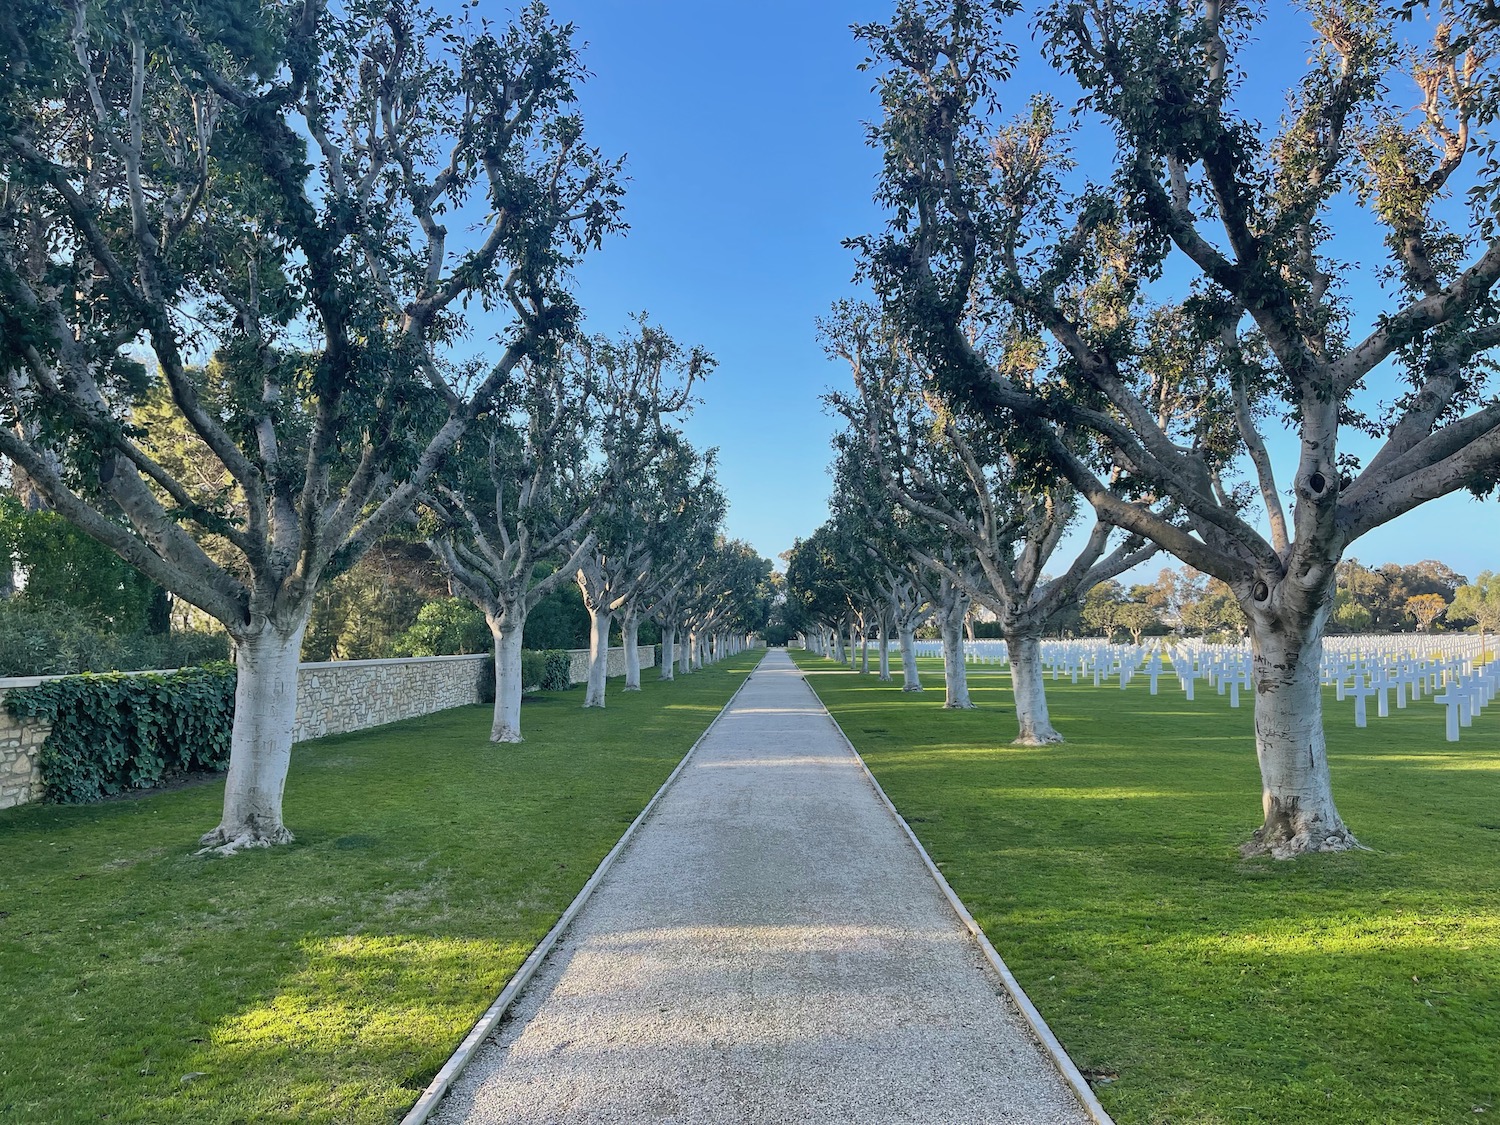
668,650
685,661
955,674
910,680
838,646
885,649
630,630
508,686
1030,690
1296,794
598,658
260,745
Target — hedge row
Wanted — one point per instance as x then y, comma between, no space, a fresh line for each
116,732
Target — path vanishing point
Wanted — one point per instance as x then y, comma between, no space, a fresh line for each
769,947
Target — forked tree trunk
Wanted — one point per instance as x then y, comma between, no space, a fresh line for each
910,680
630,630
1029,685
885,649
260,744
598,658
955,674
1296,794
668,650
838,646
509,687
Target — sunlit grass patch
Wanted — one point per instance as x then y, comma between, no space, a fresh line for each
1336,990
328,980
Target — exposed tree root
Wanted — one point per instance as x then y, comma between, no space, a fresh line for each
224,841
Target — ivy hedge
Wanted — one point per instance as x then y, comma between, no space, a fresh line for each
116,732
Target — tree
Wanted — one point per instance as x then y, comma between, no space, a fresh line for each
274,192
1102,606
688,509
997,220
519,492
1426,608
1480,602
644,378
950,470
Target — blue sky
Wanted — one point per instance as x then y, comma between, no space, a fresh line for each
748,166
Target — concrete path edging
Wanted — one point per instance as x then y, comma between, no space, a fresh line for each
432,1096
1049,1042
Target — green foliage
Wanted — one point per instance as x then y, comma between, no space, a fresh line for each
559,620
448,627
40,638
63,566
545,670
1479,602
116,732
375,609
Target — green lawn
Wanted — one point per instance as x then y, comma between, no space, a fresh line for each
1193,986
326,981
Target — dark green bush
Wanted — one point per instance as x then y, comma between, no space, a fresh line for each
556,667
533,670
115,732
540,671
40,638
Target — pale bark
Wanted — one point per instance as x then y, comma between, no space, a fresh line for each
955,674
260,748
1296,793
599,622
509,687
910,679
1028,683
668,650
685,661
838,646
630,627
885,649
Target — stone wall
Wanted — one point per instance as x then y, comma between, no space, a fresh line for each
20,744
332,698
344,695
578,671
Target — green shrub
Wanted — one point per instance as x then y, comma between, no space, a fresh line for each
115,732
41,638
533,668
449,627
545,670
557,665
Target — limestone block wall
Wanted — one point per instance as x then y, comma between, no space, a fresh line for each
344,695
20,746
578,671
332,698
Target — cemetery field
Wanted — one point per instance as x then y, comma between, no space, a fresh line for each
325,981
1193,986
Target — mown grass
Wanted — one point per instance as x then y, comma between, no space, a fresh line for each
328,980
1191,985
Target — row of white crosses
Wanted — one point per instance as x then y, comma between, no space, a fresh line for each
1451,669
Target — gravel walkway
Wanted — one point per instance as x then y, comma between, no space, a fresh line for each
769,948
